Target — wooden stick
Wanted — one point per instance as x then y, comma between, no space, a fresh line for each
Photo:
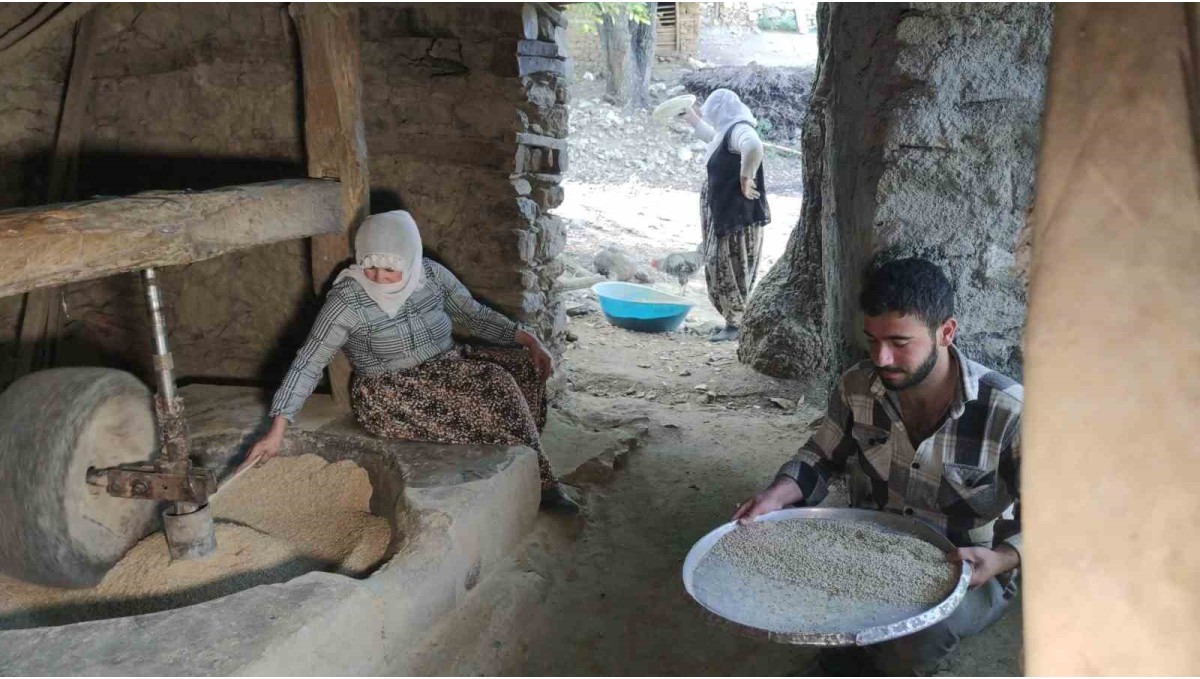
569,284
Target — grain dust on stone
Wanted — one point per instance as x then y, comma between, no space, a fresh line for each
821,576
291,516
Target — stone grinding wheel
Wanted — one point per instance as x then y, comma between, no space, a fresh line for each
55,529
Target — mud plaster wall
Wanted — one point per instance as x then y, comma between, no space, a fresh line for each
921,141
32,90
188,97
448,107
198,96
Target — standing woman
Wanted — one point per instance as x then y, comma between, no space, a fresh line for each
733,205
392,312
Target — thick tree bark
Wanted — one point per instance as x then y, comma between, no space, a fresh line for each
614,42
641,63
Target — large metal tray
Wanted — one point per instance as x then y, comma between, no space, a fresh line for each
871,635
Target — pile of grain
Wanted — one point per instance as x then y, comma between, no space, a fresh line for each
821,576
843,558
291,516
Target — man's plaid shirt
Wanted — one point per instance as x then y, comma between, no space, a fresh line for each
377,343
962,480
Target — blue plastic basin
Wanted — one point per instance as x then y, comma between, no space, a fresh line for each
641,307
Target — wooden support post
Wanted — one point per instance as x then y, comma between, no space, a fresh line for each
41,322
1109,458
334,137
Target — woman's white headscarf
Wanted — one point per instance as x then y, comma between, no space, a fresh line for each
389,240
722,110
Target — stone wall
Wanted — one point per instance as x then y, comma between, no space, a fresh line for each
920,140
198,96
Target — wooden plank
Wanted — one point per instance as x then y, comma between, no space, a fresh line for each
41,321
1111,348
334,137
57,244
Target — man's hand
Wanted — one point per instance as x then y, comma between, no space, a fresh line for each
748,189
543,362
986,563
778,495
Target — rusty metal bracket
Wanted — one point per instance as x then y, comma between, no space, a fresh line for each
147,482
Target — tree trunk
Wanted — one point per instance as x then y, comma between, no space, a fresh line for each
642,38
614,42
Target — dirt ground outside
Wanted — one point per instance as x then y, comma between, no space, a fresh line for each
658,458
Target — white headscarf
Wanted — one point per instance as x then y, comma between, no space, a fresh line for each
388,240
722,110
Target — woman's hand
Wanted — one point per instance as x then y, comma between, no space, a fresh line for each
748,189
543,362
267,447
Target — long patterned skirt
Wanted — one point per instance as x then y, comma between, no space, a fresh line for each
470,395
730,264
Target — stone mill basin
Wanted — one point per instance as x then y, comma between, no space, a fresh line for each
342,542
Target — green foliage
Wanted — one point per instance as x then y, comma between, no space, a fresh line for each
764,127
785,23
589,15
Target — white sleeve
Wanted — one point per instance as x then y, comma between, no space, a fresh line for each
704,131
745,142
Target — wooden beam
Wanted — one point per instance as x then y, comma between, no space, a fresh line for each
40,28
41,322
334,138
64,243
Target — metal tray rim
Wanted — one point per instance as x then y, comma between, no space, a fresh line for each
870,635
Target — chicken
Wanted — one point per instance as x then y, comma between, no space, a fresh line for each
681,265
615,263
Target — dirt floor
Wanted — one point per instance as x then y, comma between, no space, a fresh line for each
603,595
659,435
723,46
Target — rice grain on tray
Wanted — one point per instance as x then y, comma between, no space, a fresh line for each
844,559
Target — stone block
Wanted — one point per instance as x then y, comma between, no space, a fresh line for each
540,48
548,198
530,65
528,208
539,93
553,236
555,121
541,140
526,245
522,186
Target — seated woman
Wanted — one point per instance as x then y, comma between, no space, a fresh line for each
392,314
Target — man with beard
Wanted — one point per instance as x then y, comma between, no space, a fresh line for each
935,437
